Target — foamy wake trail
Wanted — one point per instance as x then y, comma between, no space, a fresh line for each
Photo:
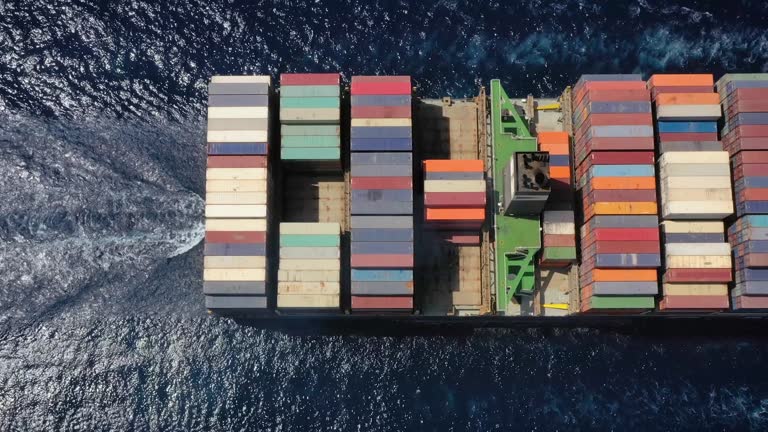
93,215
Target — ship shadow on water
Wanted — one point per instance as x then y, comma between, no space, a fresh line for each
723,326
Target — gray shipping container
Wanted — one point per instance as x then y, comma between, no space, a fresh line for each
381,170
382,208
235,302
382,288
694,237
682,146
367,222
238,124
238,88
389,248
238,100
381,159
625,288
234,249
233,288
381,234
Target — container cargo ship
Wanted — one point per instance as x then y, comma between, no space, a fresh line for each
623,198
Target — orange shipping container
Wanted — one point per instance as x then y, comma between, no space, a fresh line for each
688,99
555,149
560,172
455,165
455,214
616,275
553,138
623,183
687,80
629,208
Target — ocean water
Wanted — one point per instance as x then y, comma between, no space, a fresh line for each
101,176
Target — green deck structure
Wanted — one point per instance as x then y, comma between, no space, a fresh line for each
518,238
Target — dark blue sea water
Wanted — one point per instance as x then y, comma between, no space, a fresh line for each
101,177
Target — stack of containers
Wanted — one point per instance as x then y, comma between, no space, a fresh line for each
745,136
381,173
620,249
236,187
696,194
309,266
454,196
558,224
309,118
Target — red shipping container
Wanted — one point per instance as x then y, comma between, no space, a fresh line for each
381,261
750,170
381,303
235,236
655,91
380,88
750,157
636,195
639,95
559,240
237,162
735,145
749,131
694,302
381,183
753,195
692,136
621,247
628,234
743,94
381,78
627,143
454,199
697,275
744,106
310,79
750,302
381,111
580,91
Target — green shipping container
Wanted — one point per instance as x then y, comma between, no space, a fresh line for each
310,91
309,240
310,141
310,153
309,102
310,130
622,302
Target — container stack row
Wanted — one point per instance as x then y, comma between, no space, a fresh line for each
558,223
310,114
235,252
381,176
309,267
696,193
744,98
454,198
613,150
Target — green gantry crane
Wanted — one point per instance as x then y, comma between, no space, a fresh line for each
518,238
